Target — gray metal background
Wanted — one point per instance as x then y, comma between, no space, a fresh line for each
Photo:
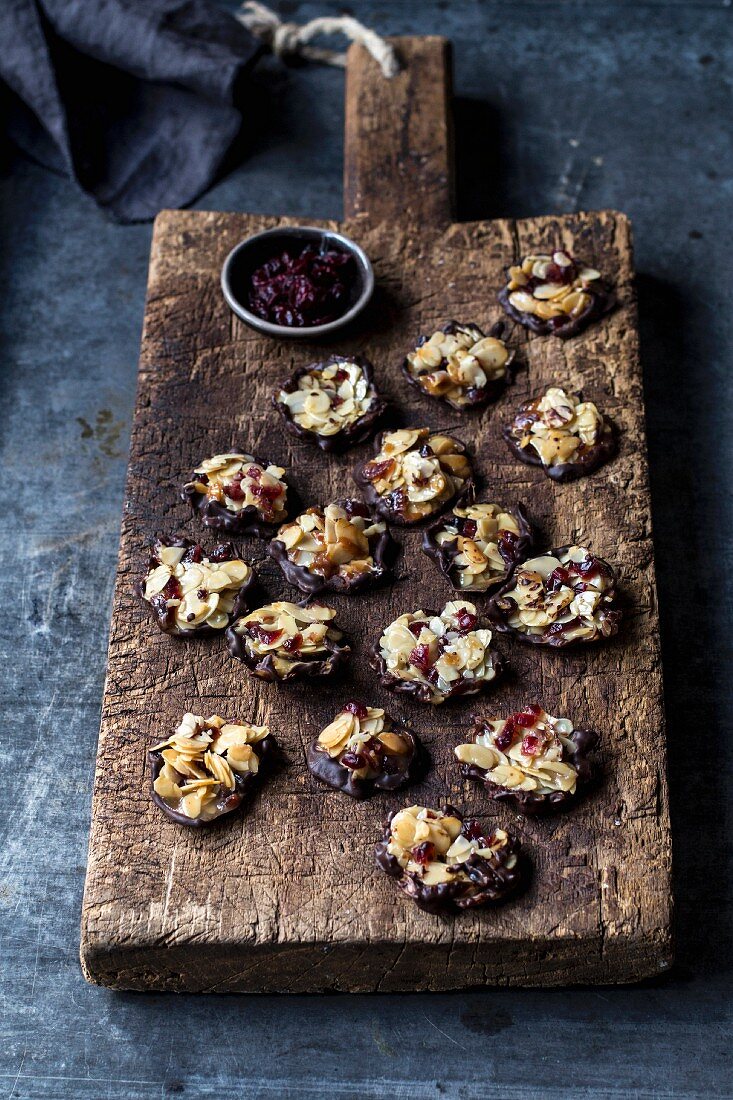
561,106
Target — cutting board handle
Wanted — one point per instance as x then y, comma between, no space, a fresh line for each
398,156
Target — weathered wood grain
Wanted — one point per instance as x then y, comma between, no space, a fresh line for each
287,898
398,147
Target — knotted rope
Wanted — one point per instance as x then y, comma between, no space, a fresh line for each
291,39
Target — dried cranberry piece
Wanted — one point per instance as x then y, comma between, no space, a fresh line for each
374,754
253,472
420,658
523,720
262,634
193,555
375,470
265,495
533,708
359,710
557,578
531,744
423,853
293,644
505,738
465,621
558,628
233,489
416,627
563,275
470,527
507,545
472,830
172,590
356,508
222,552
590,566
340,375
353,760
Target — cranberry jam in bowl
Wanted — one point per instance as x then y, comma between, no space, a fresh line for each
297,281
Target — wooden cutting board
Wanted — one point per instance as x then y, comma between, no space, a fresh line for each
287,897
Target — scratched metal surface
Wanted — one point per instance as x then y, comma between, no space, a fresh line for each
621,104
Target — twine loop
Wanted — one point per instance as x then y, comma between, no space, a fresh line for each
293,39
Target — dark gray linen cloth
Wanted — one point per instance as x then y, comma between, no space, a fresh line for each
139,101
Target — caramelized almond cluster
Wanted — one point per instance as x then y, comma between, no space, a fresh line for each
191,591
200,773
283,641
436,656
554,293
238,486
445,863
335,403
414,474
562,433
340,547
529,751
460,365
477,546
567,595
361,749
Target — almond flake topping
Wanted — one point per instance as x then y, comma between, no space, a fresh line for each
444,651
570,595
201,761
358,736
202,593
330,398
332,540
416,471
238,481
558,426
430,844
526,752
455,364
550,286
475,533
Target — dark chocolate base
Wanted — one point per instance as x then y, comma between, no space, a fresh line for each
602,301
498,618
164,616
264,669
443,556
381,505
478,398
358,432
600,453
384,554
537,805
491,881
244,785
422,692
328,769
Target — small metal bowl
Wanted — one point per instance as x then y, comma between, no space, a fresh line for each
251,253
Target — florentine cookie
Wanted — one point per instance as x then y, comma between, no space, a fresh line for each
531,760
446,864
208,767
